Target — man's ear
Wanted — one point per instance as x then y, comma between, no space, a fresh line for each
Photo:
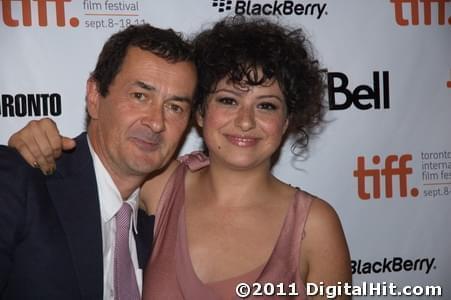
92,99
199,119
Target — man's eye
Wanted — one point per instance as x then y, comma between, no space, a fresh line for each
267,106
139,96
174,108
226,101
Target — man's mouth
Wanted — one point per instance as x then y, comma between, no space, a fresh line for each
147,145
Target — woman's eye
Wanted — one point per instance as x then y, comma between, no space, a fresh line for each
226,100
267,106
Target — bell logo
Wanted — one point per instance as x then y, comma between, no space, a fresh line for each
415,8
363,97
389,171
26,7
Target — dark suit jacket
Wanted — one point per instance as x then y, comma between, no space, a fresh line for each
50,229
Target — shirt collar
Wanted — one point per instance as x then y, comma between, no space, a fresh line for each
109,196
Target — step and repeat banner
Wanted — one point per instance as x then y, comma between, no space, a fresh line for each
383,160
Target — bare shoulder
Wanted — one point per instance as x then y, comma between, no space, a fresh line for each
324,248
153,188
322,218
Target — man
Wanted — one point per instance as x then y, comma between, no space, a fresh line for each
78,233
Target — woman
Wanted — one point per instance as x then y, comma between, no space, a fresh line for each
226,219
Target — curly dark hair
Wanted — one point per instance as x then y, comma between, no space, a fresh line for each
165,43
236,48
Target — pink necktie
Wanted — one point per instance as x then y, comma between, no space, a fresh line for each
125,286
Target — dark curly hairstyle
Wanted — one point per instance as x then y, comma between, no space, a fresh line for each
237,48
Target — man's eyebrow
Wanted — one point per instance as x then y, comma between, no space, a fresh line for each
144,85
151,88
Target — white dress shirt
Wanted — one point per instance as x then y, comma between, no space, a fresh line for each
110,202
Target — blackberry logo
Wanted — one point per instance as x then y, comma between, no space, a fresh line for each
393,264
222,5
271,8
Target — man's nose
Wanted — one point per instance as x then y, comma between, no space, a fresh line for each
154,118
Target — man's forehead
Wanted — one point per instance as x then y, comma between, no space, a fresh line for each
146,63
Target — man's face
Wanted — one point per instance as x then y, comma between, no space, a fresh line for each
137,127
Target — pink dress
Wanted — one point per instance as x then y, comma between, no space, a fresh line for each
170,273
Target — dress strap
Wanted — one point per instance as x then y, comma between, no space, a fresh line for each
173,197
194,160
283,264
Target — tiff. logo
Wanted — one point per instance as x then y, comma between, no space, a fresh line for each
222,5
24,9
389,171
415,8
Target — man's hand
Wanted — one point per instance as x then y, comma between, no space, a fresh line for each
40,143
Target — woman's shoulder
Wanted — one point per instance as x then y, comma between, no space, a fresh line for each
322,215
324,248
322,221
323,230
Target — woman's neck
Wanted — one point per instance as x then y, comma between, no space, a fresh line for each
236,187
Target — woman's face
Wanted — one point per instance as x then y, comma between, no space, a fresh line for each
244,125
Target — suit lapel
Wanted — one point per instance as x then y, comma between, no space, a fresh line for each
74,194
